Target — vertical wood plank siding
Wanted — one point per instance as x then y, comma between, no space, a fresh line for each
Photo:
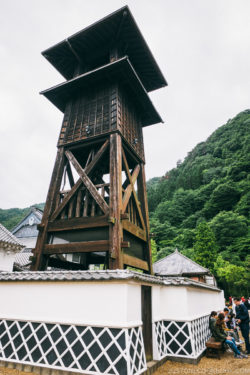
102,110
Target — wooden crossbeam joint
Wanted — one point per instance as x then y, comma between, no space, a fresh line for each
135,262
88,183
112,220
125,216
88,168
125,244
77,247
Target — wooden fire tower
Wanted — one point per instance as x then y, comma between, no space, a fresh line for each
96,204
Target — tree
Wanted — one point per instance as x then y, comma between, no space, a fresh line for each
205,248
232,278
243,206
163,234
165,251
224,197
176,209
153,251
227,227
185,239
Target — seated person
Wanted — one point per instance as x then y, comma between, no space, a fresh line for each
220,335
227,317
212,320
227,326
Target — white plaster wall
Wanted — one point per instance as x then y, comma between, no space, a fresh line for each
202,303
7,258
29,242
184,303
134,303
96,304
169,302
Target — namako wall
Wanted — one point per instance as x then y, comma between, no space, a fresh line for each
94,321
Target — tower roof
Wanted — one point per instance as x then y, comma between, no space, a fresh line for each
95,41
177,264
123,72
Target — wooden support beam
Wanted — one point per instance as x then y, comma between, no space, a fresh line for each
71,207
133,229
135,262
86,204
128,190
79,202
115,202
66,200
77,247
40,260
125,216
78,223
133,189
97,157
87,182
142,194
58,263
125,244
74,189
70,175
92,208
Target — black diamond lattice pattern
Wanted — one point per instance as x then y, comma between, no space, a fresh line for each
92,349
181,338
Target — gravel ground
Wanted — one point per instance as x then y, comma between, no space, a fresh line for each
208,366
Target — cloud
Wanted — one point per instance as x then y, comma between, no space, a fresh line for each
202,48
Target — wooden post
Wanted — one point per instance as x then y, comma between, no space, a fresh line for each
40,260
142,195
115,202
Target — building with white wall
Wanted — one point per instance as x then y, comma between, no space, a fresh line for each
9,247
97,322
177,264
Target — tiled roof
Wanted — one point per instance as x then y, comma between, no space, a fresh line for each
22,258
34,213
8,238
177,264
106,275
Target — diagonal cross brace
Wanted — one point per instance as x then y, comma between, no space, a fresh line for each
88,183
133,189
79,182
128,191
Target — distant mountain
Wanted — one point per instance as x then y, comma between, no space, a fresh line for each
11,217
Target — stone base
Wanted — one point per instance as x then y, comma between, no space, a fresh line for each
192,361
36,369
152,366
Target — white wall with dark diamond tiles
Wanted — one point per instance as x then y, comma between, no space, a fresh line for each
95,326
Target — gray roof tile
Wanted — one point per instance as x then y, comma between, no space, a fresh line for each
100,276
177,264
9,238
22,258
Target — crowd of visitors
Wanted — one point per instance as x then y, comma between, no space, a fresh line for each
225,326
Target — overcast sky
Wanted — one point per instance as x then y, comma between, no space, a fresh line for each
201,46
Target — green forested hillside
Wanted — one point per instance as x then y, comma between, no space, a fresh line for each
205,201
12,216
